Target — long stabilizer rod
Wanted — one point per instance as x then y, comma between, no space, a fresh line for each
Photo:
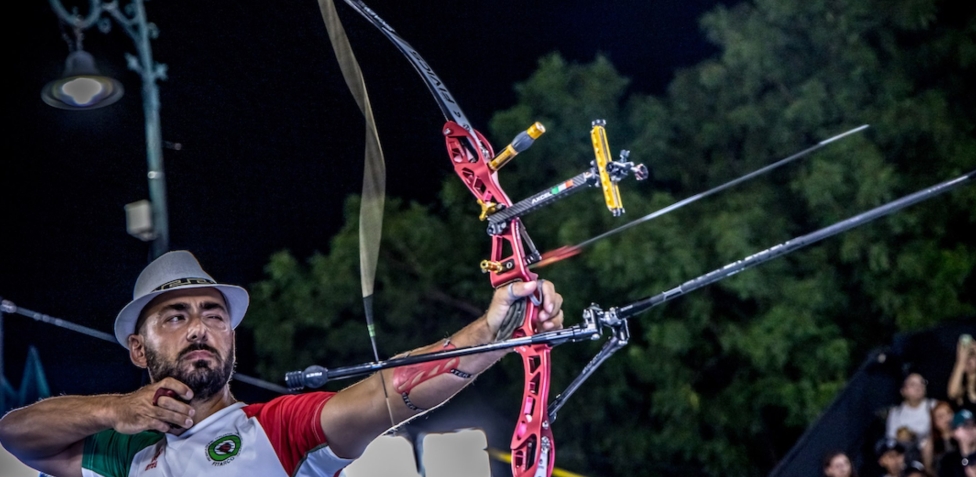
317,376
790,246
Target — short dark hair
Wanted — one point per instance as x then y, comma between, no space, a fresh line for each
887,444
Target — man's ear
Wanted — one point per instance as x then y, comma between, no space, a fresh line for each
137,350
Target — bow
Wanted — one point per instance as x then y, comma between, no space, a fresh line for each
513,253
533,451
512,250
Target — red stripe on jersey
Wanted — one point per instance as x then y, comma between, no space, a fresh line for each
292,424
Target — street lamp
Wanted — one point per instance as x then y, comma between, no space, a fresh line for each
83,88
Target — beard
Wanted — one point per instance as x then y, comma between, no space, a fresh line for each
205,381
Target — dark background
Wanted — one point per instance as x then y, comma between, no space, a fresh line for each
271,140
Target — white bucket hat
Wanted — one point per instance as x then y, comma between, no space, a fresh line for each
175,270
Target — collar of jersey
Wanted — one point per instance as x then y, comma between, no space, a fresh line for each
198,427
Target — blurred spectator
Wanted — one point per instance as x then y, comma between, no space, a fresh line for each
914,469
940,441
891,457
914,412
837,464
911,443
962,382
960,462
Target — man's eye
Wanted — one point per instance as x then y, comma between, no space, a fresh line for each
175,318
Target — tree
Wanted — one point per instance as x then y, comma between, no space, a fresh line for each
720,382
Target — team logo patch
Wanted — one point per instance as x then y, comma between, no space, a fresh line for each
223,449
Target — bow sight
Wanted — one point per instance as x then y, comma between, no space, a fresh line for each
604,172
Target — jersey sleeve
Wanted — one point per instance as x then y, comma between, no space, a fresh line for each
292,424
110,454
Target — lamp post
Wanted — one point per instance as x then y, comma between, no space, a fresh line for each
83,88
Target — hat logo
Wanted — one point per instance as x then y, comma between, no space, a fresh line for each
179,282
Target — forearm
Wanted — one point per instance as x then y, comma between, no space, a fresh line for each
430,387
926,448
411,390
955,390
48,427
357,414
476,333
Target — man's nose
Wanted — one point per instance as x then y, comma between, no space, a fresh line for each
196,330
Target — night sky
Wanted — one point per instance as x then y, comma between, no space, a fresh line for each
271,139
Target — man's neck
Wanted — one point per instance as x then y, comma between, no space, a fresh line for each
915,402
205,409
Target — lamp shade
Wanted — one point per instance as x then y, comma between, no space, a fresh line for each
81,86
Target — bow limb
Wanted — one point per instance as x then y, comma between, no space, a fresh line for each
374,177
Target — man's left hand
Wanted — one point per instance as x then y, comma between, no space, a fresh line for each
550,315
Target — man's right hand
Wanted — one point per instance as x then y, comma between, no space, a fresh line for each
136,411
49,435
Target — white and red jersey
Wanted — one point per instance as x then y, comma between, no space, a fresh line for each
280,438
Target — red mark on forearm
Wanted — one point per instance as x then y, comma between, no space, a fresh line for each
405,378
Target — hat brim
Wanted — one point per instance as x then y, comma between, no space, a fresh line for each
125,324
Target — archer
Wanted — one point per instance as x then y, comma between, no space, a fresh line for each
180,328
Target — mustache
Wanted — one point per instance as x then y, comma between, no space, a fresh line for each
198,347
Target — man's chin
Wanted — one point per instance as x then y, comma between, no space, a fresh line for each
199,373
193,364
204,381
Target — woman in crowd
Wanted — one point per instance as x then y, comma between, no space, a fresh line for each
914,411
837,464
940,441
962,382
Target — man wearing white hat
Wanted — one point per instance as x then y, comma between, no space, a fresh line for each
180,327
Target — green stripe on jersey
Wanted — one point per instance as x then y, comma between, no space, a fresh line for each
110,453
